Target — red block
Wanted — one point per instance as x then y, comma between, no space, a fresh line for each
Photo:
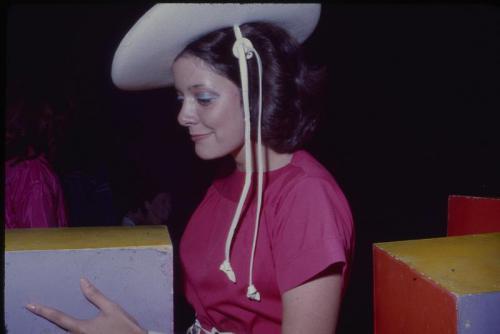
473,215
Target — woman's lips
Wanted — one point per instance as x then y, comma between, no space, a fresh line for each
198,137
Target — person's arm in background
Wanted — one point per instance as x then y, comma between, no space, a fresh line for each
39,207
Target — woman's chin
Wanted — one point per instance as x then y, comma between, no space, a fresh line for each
207,155
205,152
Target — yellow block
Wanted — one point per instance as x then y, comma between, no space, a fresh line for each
464,265
86,238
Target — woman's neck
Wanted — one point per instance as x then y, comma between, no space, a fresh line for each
272,159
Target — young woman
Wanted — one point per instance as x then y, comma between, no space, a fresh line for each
266,251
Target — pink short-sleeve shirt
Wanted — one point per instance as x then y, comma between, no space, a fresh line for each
306,226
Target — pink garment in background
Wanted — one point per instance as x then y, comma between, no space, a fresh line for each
33,195
306,226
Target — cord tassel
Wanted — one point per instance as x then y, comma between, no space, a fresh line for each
252,293
228,270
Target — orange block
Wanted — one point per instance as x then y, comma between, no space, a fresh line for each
473,215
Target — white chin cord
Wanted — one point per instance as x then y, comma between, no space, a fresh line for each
243,50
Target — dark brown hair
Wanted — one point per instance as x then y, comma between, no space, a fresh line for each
291,89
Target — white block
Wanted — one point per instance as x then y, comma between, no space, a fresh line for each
130,265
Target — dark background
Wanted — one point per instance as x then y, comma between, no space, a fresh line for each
411,116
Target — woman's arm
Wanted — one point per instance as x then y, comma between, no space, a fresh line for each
313,307
112,319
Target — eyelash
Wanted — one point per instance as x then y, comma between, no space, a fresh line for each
203,101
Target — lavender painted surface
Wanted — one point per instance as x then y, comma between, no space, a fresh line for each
139,279
479,313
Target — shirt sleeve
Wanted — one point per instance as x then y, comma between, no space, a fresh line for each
312,231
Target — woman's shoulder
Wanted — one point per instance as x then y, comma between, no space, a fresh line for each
307,179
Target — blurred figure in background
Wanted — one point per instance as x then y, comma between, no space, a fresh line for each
33,193
155,211
148,200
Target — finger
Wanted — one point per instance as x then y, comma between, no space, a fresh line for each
95,296
59,318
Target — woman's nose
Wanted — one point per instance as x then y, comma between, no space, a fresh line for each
187,115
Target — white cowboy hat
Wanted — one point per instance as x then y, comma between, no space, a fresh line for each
146,53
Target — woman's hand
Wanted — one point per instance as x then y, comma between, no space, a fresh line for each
112,318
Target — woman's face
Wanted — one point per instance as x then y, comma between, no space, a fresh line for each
211,108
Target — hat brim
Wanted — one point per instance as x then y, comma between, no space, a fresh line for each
144,57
